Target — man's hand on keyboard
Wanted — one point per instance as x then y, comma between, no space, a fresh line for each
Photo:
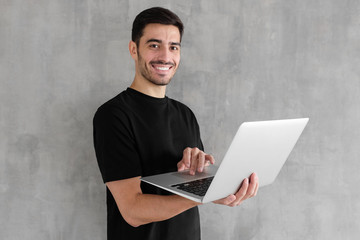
246,190
195,160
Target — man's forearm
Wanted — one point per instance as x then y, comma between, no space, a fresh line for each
153,208
138,208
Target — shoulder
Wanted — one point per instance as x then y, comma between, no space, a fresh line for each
180,106
115,108
183,110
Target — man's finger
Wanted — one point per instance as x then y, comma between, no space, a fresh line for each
187,157
210,158
242,194
250,190
226,201
201,161
243,190
256,189
253,185
194,160
181,166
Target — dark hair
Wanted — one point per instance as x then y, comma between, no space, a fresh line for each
154,15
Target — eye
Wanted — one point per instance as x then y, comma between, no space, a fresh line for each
154,46
174,48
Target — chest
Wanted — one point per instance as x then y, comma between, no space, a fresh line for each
161,138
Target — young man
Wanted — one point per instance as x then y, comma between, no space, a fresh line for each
142,132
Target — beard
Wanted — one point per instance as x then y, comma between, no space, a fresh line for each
157,79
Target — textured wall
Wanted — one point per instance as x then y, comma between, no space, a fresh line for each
241,60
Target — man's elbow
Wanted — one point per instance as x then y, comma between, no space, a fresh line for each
134,224
132,221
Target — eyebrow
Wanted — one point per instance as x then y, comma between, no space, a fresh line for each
160,41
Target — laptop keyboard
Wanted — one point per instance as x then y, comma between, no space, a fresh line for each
197,187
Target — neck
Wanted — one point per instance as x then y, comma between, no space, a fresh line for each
149,88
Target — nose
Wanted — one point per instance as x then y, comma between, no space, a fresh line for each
164,55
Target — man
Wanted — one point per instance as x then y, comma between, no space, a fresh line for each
142,132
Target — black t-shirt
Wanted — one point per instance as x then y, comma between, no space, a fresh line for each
139,135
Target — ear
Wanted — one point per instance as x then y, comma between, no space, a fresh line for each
133,50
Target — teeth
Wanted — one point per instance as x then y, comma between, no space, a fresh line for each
163,68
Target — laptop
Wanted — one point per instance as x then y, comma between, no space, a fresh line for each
261,147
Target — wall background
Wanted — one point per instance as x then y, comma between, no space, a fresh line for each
241,60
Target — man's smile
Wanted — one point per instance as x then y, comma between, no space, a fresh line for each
162,67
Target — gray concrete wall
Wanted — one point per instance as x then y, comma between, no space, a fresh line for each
241,60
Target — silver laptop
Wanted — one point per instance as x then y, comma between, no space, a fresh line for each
261,147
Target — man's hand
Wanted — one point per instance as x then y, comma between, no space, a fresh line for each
247,190
195,160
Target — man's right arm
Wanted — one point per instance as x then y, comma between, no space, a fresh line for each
139,209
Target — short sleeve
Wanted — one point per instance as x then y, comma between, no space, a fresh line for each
114,144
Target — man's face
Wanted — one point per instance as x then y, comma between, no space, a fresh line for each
158,53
